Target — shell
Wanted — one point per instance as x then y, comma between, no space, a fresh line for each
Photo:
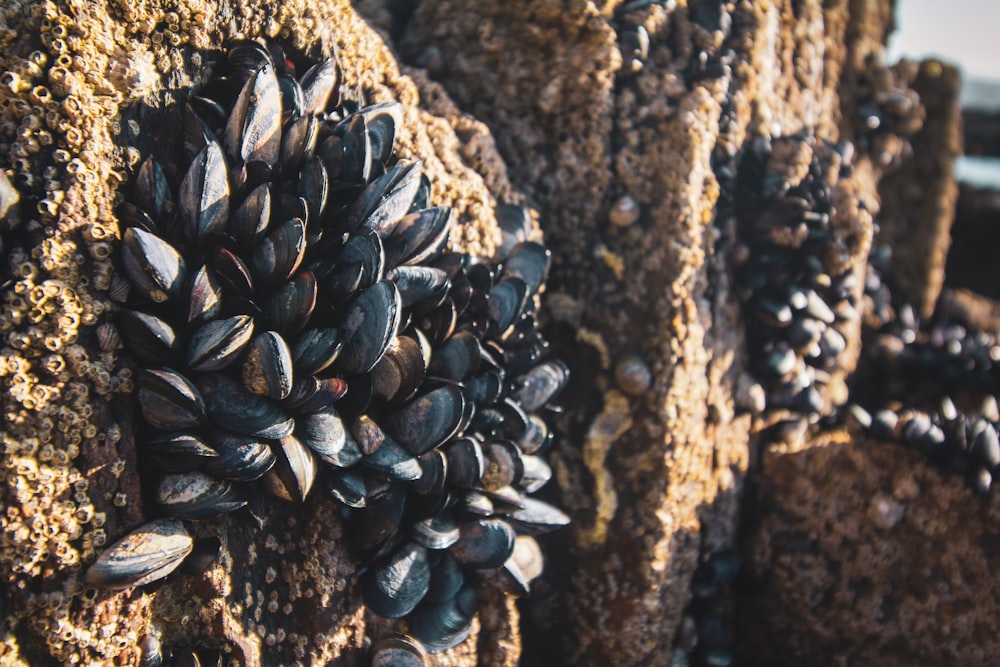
147,554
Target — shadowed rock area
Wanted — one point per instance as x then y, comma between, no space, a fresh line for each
624,126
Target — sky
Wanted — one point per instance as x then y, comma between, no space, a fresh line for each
964,32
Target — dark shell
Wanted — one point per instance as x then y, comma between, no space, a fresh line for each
299,143
278,256
249,221
169,401
380,521
194,495
234,408
348,487
148,337
392,461
218,343
537,517
416,236
398,650
401,370
369,327
395,587
204,195
313,187
515,225
484,543
428,420
437,532
419,283
267,367
150,552
152,191
316,349
443,626
466,462
433,473
539,385
323,432
152,264
506,301
179,452
294,470
206,296
240,457
253,131
458,358
530,262
291,305
232,271
318,84
387,199
310,393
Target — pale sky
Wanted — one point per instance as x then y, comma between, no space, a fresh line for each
964,32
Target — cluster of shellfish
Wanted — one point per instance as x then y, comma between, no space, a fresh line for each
799,297
300,324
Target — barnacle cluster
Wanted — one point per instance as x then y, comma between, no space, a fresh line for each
300,325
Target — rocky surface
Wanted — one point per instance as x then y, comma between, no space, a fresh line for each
613,121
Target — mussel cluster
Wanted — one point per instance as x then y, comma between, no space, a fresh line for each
798,295
300,324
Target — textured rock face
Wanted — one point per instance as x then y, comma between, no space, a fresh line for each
615,122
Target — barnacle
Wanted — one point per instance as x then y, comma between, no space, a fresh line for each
300,324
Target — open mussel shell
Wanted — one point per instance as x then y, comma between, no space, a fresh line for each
239,457
234,408
540,384
393,588
428,420
204,195
148,337
446,625
294,470
398,650
169,401
152,264
253,130
537,517
218,343
267,366
369,326
416,236
149,553
180,451
195,495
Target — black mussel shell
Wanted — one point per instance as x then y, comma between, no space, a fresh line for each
484,543
394,587
278,256
446,625
267,366
318,84
218,343
240,458
152,191
323,432
530,262
537,517
436,532
515,225
315,349
458,358
416,236
148,553
292,304
253,131
387,199
398,650
195,495
152,264
466,462
310,393
206,296
539,385
419,283
234,408
428,420
294,470
248,223
369,327
179,452
148,337
348,487
169,401
204,195
401,370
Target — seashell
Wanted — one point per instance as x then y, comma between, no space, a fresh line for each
169,401
524,565
148,337
147,554
369,327
530,262
359,265
203,198
428,420
506,301
299,143
466,462
248,223
389,197
315,349
313,187
535,474
486,387
402,368
278,256
152,264
232,272
398,650
151,650
393,462
503,465
417,236
194,495
347,156
248,54
419,283
294,470
476,504
381,519
152,191
540,385
348,487
216,344
206,296
382,121
179,451
433,473
393,588
484,543
458,358
436,532
240,458
292,304
318,84
323,432
234,408
447,579
446,625
267,368
196,135
537,517
253,130
515,226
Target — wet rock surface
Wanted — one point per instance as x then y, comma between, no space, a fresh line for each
622,125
